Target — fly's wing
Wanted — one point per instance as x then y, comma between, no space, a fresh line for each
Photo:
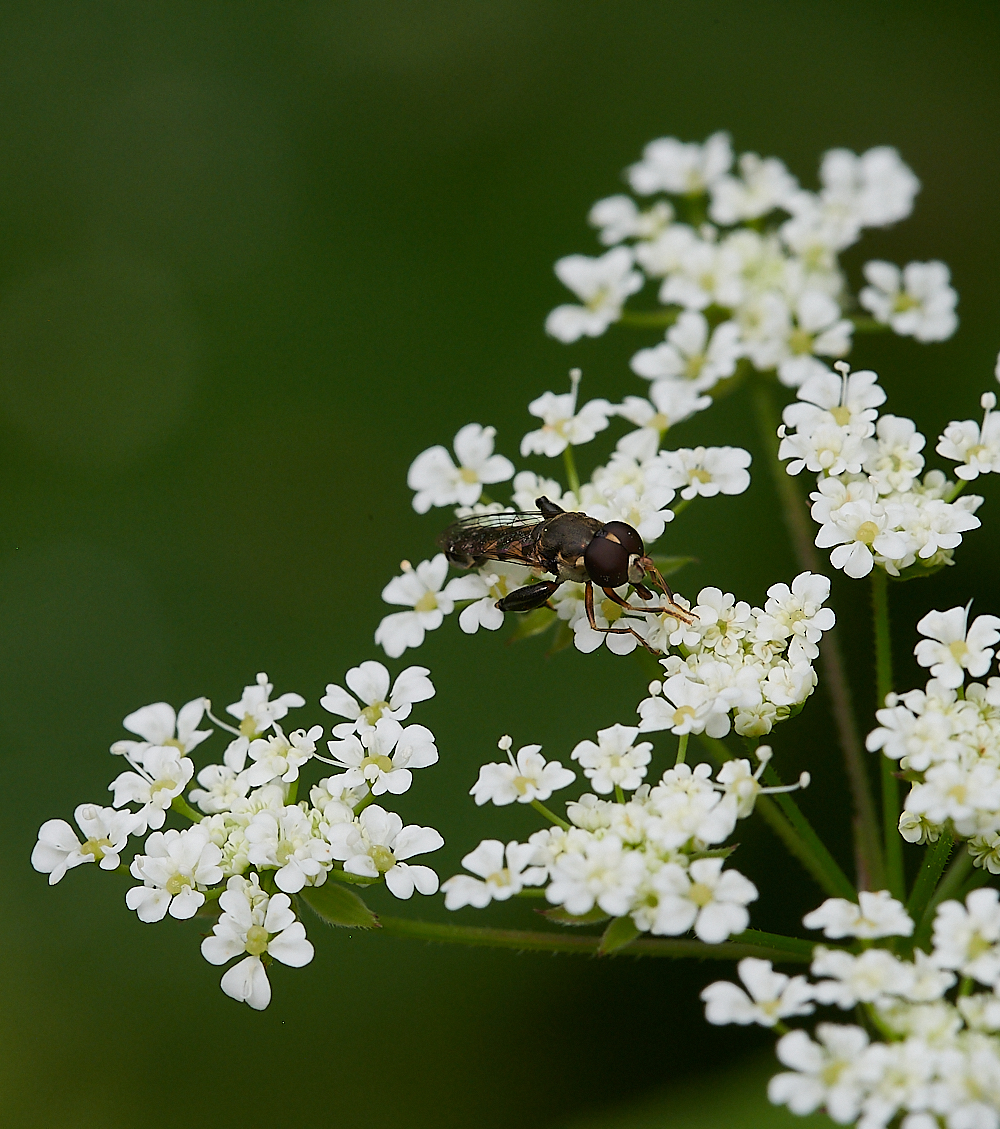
505,536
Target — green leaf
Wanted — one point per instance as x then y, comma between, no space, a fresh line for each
337,905
531,624
669,565
618,934
564,637
561,917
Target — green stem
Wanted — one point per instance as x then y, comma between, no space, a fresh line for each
766,945
948,887
867,847
182,807
793,829
648,319
352,879
571,475
360,806
935,858
869,325
892,842
550,815
682,748
619,794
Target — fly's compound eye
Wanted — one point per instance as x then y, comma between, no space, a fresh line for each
607,561
628,536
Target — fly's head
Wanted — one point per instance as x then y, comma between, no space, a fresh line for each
616,556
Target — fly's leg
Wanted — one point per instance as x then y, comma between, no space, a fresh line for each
674,608
527,598
588,601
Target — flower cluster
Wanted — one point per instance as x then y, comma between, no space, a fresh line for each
652,858
738,665
936,1057
946,737
873,502
252,848
747,261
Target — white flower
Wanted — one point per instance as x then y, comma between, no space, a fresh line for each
159,725
221,788
527,778
615,760
976,448
963,795
564,426
952,648
705,897
664,254
279,757
672,402
288,839
878,915
106,830
669,165
421,589
163,775
645,508
825,1073
379,844
916,302
967,938
256,712
722,622
486,588
370,682
896,462
689,355
820,330
686,706
876,188
797,614
255,924
439,482
619,218
850,400
873,977
177,866
852,519
706,471
763,185
384,756
499,880
602,284
604,873
773,996
685,806
528,487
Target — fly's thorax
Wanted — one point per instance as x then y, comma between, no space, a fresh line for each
562,542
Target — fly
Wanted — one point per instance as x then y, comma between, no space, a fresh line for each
568,545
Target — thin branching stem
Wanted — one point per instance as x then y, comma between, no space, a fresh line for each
867,846
952,882
768,946
935,859
890,786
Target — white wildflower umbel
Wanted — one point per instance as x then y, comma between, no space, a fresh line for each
563,425
703,896
423,590
615,761
158,724
684,169
370,683
952,648
384,757
975,448
439,482
916,302
256,712
691,354
256,925
378,845
772,996
528,777
497,879
823,1073
58,849
175,870
706,471
967,937
877,915
602,285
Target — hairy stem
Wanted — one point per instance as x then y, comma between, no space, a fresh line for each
768,946
794,830
951,883
935,858
890,786
867,848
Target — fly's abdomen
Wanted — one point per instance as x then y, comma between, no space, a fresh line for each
470,547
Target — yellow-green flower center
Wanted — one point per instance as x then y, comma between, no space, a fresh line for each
96,847
379,760
700,894
383,858
257,940
372,713
426,603
800,342
842,414
867,532
467,474
177,883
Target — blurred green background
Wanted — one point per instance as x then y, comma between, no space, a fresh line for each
256,256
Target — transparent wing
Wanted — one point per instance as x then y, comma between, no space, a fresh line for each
506,519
